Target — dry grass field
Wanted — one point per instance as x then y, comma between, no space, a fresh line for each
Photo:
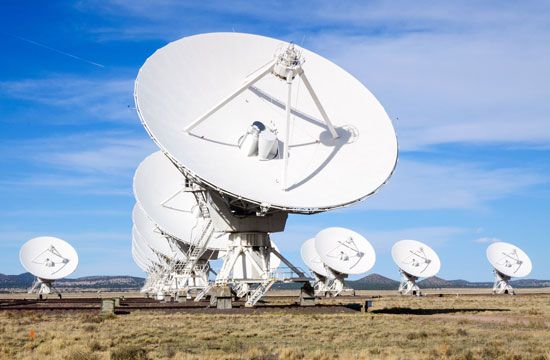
451,327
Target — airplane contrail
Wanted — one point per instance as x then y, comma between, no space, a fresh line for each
58,51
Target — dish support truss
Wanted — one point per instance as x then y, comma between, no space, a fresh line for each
408,286
286,65
329,286
178,276
247,269
501,284
43,287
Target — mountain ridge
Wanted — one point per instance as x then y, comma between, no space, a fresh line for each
127,283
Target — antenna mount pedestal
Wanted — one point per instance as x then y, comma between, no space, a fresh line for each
44,287
329,286
501,284
408,284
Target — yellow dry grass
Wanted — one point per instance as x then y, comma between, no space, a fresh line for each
463,327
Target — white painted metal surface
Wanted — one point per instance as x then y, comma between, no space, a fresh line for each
48,258
509,259
161,191
345,250
145,251
415,258
180,82
312,259
152,235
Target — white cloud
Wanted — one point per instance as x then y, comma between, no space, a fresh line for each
465,72
94,163
486,240
418,185
76,99
434,236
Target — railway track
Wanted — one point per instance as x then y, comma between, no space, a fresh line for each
144,304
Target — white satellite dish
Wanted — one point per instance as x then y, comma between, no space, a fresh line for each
198,97
152,235
344,250
332,255
138,260
312,259
49,259
257,129
161,191
508,261
143,248
415,260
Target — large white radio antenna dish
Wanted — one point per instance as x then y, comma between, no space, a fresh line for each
49,259
207,99
415,260
508,261
152,235
161,190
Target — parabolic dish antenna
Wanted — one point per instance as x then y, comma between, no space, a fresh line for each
509,259
140,262
198,98
143,248
344,250
312,259
415,258
147,229
160,190
48,258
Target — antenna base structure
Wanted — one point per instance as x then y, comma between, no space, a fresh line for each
249,266
501,284
43,287
408,286
329,286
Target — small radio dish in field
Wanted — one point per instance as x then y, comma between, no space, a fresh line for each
508,261
345,250
332,255
312,259
49,259
415,260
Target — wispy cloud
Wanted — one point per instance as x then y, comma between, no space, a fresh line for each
94,163
486,240
421,185
64,53
463,72
76,99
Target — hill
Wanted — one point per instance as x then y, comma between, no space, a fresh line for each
373,282
127,283
25,281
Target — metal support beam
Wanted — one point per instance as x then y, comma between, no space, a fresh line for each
230,97
319,105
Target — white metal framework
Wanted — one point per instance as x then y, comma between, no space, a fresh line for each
501,284
408,286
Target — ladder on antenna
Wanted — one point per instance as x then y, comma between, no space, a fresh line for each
203,292
196,250
241,289
259,292
198,247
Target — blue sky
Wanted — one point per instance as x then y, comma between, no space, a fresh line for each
465,82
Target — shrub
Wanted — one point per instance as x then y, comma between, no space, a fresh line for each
128,352
81,354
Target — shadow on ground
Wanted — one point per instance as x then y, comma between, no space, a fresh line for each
409,311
